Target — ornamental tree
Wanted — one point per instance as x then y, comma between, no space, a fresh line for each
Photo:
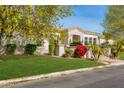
9,17
114,26
34,22
114,23
97,51
42,22
80,51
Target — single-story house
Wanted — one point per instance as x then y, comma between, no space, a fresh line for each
78,34
73,34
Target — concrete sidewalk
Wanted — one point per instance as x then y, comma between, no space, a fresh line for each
111,61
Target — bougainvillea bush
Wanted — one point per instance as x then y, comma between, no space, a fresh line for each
80,51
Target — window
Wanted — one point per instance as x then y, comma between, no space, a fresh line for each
94,40
76,38
90,40
86,40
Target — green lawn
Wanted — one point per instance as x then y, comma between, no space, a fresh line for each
21,66
121,55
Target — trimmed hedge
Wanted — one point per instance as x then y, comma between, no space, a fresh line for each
75,43
10,49
52,48
68,52
30,49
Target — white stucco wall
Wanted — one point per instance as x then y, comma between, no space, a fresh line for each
74,32
82,35
111,41
103,41
60,50
46,46
42,49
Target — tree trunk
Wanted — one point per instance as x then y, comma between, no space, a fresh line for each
1,35
118,50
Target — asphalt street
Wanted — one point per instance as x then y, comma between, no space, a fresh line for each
110,77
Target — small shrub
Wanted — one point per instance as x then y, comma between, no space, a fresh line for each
30,48
52,48
10,49
56,47
80,51
68,52
75,43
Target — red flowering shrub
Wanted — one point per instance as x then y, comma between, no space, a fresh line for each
80,51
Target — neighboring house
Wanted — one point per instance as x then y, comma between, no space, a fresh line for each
85,37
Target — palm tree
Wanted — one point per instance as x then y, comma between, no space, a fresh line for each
116,47
107,36
96,50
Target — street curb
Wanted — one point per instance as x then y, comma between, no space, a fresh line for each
54,74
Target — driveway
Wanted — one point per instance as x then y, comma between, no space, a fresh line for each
111,77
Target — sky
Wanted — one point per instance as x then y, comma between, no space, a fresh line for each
88,17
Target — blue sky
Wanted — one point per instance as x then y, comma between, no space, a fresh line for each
89,17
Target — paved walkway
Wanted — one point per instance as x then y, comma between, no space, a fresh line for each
111,61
